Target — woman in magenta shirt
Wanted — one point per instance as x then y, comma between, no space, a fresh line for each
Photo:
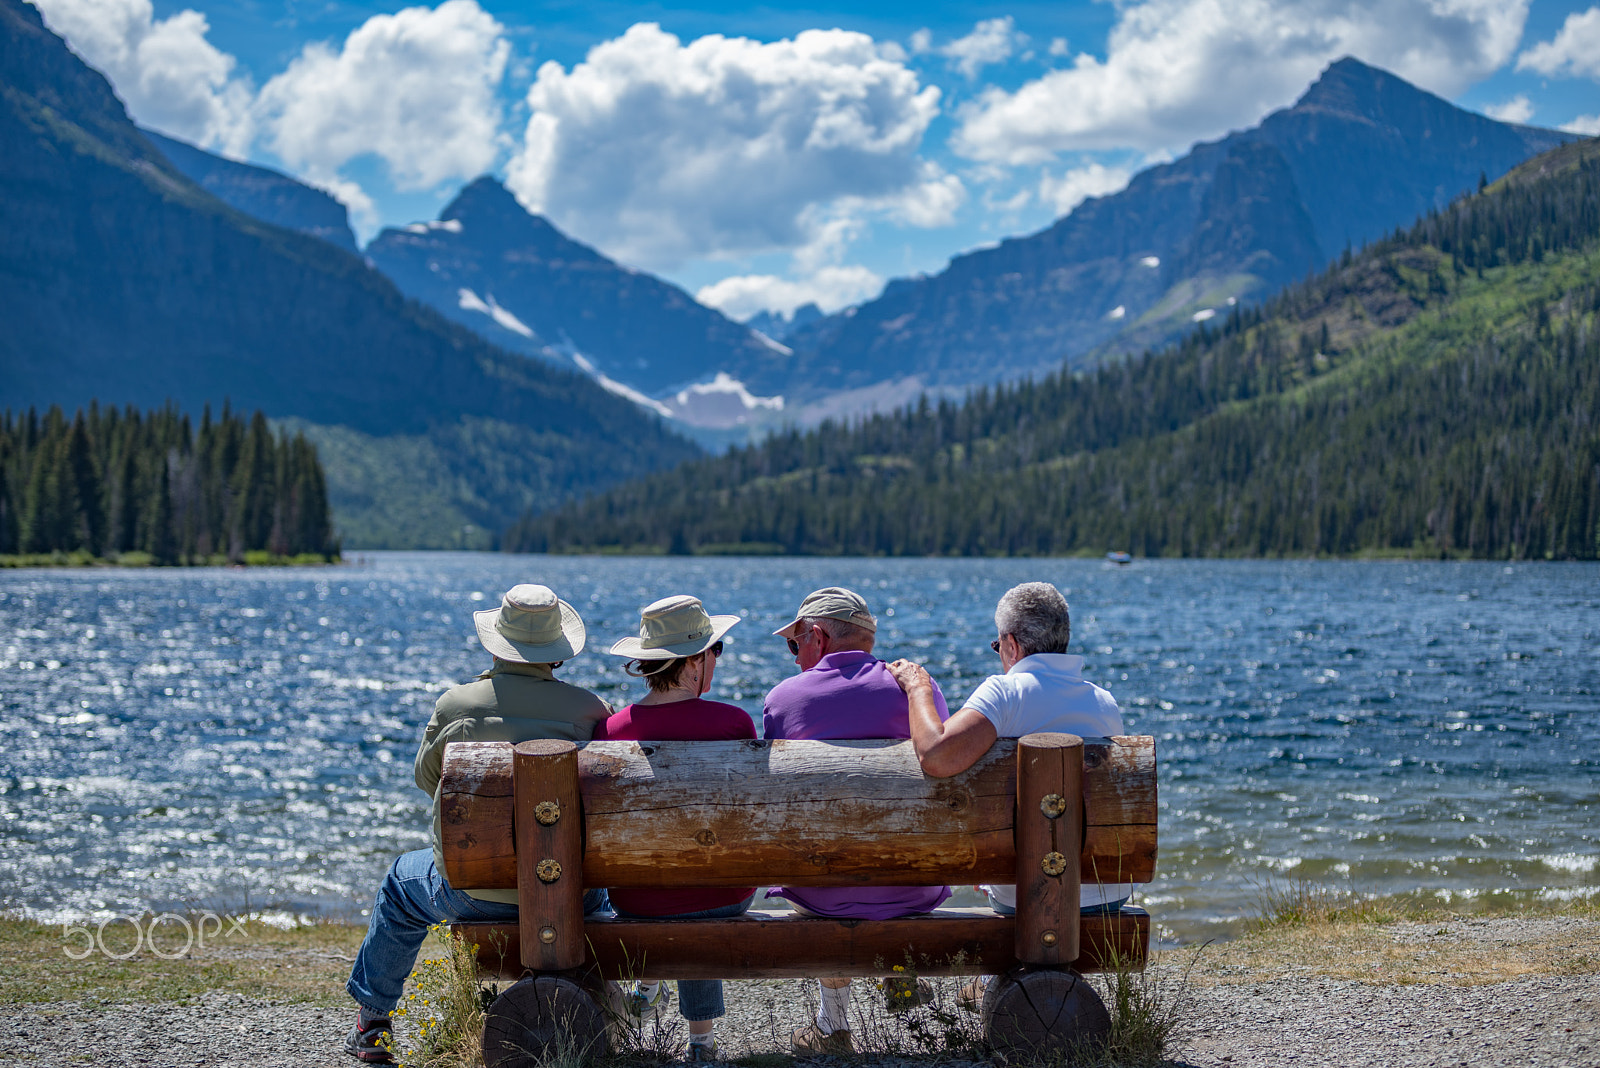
676,654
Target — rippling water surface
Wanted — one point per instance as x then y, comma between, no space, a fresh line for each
202,738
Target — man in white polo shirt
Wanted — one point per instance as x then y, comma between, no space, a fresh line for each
1042,689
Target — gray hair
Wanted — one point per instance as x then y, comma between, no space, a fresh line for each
1037,616
841,630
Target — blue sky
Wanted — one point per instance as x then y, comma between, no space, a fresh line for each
765,156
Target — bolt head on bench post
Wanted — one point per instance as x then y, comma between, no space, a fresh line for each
548,815
1049,839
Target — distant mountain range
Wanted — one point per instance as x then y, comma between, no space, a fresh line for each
1360,154
778,326
124,280
1433,395
515,279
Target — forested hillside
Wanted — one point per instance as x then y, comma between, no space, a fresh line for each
1434,394
111,483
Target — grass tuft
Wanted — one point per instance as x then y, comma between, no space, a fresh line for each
1301,903
1150,1007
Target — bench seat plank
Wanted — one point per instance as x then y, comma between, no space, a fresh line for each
765,944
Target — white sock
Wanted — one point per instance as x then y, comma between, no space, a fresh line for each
707,1039
835,1012
649,989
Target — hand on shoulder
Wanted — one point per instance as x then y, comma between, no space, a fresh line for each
910,675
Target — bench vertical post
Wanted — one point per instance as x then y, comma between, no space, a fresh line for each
1049,838
548,821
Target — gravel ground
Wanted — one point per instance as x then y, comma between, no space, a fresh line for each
1547,1020
1238,1022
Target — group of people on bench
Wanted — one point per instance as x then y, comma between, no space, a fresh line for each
841,691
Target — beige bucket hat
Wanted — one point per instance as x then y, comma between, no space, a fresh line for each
531,626
674,627
831,602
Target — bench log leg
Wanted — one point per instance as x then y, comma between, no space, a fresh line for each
543,1019
1044,1014
1043,1009
552,1014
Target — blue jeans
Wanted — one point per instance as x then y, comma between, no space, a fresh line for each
700,999
415,896
1106,908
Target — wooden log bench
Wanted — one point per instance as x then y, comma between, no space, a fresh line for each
550,819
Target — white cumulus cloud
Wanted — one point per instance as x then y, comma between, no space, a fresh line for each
1180,70
1574,50
1588,125
416,89
660,151
1518,109
991,41
165,70
830,289
1067,191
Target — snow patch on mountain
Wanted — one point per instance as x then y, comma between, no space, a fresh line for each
611,385
778,347
449,225
724,383
722,403
470,301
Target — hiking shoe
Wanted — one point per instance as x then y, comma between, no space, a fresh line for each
702,1052
638,1005
375,1045
971,995
809,1041
902,993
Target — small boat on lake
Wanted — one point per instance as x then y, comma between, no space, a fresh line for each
1120,558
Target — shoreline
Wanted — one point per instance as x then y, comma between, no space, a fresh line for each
1441,990
81,561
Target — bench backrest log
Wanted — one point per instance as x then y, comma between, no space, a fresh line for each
1046,812
795,813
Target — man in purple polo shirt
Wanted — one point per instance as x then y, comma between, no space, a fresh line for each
843,691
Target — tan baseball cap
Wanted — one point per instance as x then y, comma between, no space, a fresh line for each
831,602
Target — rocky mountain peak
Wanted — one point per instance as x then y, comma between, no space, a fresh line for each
1351,89
488,210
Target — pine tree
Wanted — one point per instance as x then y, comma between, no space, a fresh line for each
115,481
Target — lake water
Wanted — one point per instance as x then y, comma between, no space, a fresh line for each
211,738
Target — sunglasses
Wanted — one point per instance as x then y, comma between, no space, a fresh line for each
794,647
715,650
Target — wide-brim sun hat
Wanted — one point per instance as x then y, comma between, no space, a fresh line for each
674,627
531,626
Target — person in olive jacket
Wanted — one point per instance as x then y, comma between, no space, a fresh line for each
518,699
